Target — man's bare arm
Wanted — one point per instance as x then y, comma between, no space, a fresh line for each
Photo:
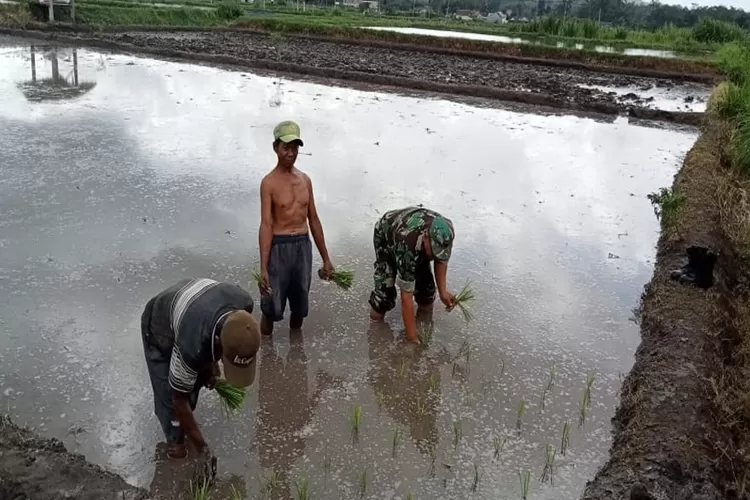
184,414
316,228
407,314
265,234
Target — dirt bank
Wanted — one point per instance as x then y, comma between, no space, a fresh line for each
462,75
33,468
679,428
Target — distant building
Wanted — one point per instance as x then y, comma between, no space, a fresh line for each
496,18
369,4
464,15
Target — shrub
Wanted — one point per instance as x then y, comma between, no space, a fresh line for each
715,31
229,11
733,60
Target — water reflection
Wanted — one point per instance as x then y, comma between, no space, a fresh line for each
628,51
284,410
406,381
58,87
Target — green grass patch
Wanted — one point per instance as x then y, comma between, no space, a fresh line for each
668,205
101,15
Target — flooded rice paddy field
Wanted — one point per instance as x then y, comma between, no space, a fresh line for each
628,51
150,172
576,87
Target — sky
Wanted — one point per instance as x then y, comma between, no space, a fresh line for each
740,4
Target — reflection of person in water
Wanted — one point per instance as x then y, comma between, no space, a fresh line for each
172,477
408,385
284,407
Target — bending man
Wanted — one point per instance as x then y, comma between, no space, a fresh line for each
405,242
186,330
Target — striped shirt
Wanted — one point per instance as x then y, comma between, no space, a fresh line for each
184,320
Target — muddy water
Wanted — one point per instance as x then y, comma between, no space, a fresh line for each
629,51
151,174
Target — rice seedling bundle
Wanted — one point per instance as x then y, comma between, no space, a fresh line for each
463,297
232,398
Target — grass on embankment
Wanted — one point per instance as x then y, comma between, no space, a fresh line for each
728,115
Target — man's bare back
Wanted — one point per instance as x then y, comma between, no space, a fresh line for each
290,200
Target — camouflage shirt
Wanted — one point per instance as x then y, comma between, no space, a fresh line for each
401,233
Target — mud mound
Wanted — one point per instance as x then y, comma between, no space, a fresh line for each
33,468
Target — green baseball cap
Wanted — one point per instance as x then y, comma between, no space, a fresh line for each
441,238
287,131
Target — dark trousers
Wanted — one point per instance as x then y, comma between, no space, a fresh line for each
289,273
157,363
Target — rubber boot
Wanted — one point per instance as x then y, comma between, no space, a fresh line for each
699,270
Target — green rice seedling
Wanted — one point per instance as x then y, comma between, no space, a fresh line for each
519,414
256,276
583,407
549,462
355,419
231,398
552,376
434,383
380,397
455,369
542,399
411,496
396,439
477,476
234,494
465,347
525,478
199,489
463,298
402,367
273,481
363,483
433,457
498,443
457,432
589,383
565,441
302,485
421,408
424,334
343,278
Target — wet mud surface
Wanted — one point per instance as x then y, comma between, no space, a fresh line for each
33,468
548,85
151,174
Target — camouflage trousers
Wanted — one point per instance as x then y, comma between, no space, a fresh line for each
383,295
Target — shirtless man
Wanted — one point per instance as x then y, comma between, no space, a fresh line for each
287,206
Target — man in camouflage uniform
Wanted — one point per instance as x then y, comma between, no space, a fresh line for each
405,241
